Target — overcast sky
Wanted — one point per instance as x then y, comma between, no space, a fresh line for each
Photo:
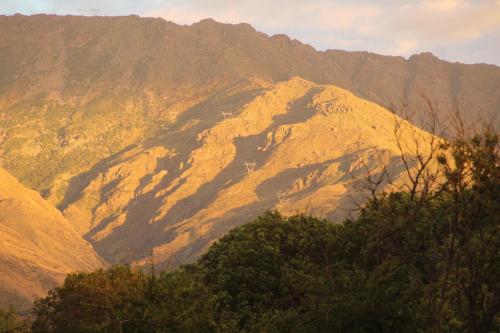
456,30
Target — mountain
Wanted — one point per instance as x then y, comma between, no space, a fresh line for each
295,146
76,90
154,139
38,246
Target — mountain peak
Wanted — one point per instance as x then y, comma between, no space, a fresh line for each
208,21
425,56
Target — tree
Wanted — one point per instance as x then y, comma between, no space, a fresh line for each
102,301
271,274
180,302
447,234
472,191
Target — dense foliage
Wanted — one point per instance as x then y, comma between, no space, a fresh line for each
409,263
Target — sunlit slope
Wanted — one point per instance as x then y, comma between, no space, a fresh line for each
38,246
296,147
68,138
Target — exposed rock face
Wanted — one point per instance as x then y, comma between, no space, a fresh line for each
294,147
76,90
38,246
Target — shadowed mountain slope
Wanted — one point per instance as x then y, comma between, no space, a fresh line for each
38,246
296,146
76,90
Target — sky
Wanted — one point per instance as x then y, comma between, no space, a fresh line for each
467,31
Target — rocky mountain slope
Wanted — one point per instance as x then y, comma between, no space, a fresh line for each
296,146
38,246
76,90
154,139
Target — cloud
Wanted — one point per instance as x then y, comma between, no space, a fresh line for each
403,47
444,21
444,27
278,14
442,5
